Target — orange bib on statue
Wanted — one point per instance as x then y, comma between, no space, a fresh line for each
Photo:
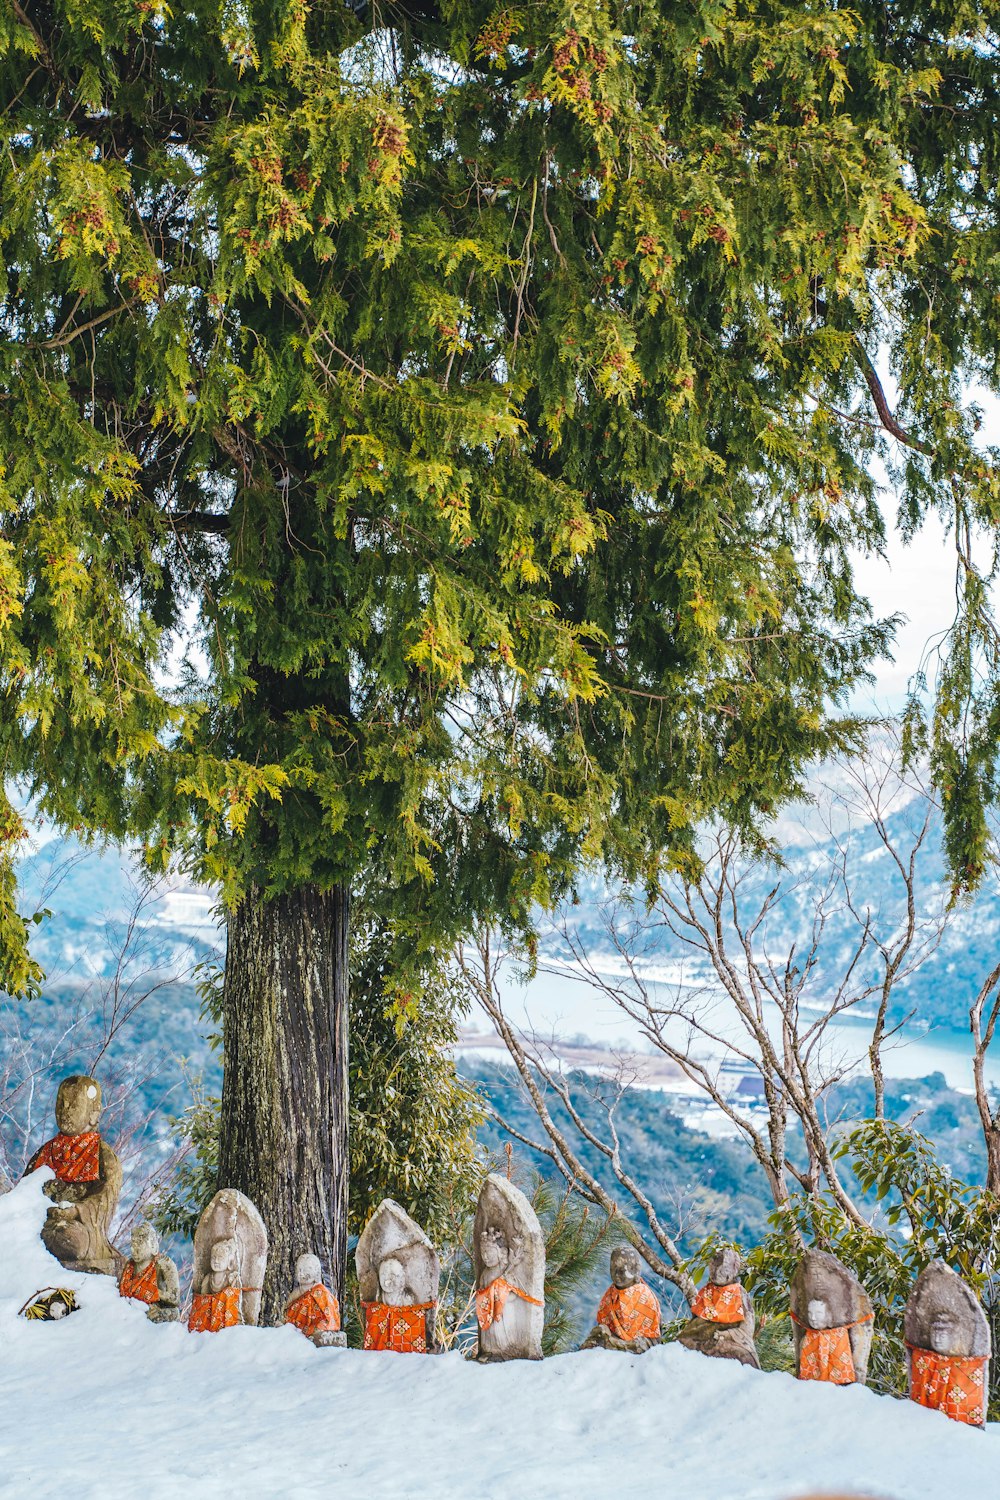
491,1301
719,1304
73,1158
826,1355
631,1312
402,1330
949,1383
213,1311
141,1286
316,1311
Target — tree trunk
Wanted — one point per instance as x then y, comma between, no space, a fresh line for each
283,1136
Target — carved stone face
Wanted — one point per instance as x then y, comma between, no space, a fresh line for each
818,1313
145,1242
392,1282
725,1267
308,1270
626,1269
222,1256
78,1105
945,1333
493,1248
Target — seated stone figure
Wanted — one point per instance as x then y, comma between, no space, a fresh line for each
398,1276
230,1258
509,1261
151,1277
831,1321
628,1315
947,1346
87,1184
312,1307
216,1301
722,1324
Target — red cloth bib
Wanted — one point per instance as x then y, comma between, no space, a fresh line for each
949,1383
403,1330
719,1304
631,1312
212,1311
316,1311
73,1158
491,1300
143,1288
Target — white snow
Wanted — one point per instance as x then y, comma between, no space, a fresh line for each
106,1406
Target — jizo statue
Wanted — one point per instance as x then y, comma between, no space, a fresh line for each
312,1308
509,1259
832,1321
150,1277
398,1276
947,1346
87,1184
230,1257
723,1323
628,1315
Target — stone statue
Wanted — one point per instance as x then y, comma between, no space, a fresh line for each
230,1257
628,1316
87,1184
947,1346
722,1324
831,1321
398,1276
312,1307
151,1277
509,1259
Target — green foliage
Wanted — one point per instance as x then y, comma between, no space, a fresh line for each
926,1214
484,395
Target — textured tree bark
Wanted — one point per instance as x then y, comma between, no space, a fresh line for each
283,1137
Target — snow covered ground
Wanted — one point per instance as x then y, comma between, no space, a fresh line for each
105,1406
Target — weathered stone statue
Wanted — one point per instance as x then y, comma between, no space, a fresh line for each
151,1277
398,1276
723,1320
831,1321
230,1257
312,1307
87,1184
509,1259
628,1315
947,1346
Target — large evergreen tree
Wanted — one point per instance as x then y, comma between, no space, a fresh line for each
485,398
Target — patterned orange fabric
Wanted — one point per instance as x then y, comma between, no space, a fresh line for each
949,1383
403,1330
73,1158
316,1311
826,1352
139,1285
631,1312
491,1300
212,1311
719,1304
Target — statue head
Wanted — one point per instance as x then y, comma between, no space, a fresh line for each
493,1248
626,1267
945,1334
78,1104
224,1255
392,1282
145,1242
725,1267
818,1313
308,1271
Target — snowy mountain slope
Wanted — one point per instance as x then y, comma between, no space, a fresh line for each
105,1406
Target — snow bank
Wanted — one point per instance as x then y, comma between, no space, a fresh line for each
105,1404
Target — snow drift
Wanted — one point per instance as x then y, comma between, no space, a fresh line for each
105,1404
